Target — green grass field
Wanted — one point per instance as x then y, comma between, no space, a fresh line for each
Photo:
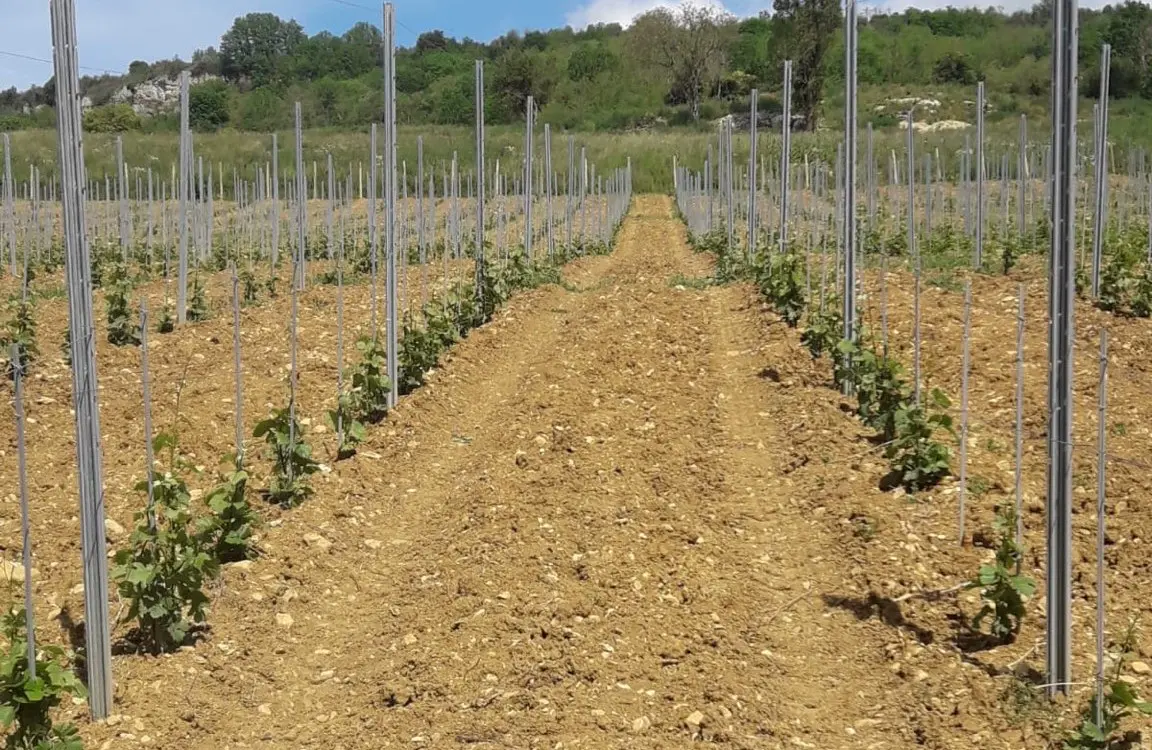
651,151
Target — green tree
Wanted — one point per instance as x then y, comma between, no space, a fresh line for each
431,40
138,70
806,29
206,62
688,44
258,46
208,105
362,49
1129,32
751,50
519,74
589,60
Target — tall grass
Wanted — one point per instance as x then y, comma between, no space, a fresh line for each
651,151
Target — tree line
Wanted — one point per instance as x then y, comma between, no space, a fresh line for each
671,66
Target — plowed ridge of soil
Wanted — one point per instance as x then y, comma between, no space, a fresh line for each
588,531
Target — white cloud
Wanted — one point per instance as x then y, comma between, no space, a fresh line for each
622,12
113,33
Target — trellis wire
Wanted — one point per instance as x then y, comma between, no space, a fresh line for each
122,199
548,188
979,175
297,271
529,121
339,334
9,206
275,182
373,240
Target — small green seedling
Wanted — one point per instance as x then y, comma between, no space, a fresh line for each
20,330
227,529
1002,588
915,453
824,331
370,384
349,430
419,352
123,329
1100,726
198,305
26,702
291,456
164,570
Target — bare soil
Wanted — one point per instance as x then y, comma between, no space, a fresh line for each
625,514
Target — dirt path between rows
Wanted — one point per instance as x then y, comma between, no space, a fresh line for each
590,530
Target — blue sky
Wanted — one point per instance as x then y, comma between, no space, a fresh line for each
112,33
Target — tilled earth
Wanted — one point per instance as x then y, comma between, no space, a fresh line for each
625,514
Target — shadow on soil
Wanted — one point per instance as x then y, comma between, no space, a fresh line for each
881,607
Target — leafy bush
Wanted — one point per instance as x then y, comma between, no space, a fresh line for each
440,323
111,118
880,391
163,572
26,702
955,67
166,323
208,105
291,456
845,361
250,287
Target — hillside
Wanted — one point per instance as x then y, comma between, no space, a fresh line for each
603,77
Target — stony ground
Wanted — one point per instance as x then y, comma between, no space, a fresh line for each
625,514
